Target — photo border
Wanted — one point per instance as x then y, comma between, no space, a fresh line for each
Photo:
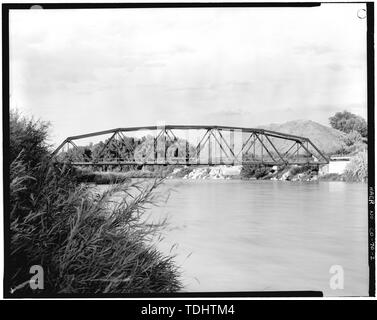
6,174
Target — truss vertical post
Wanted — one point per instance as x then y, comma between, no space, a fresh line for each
199,146
255,140
264,147
209,148
221,147
244,144
221,152
187,152
287,152
198,153
165,148
231,138
155,155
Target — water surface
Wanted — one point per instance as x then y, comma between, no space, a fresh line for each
235,235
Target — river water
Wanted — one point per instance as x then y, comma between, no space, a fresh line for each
234,235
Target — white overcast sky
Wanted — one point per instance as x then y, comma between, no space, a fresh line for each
91,70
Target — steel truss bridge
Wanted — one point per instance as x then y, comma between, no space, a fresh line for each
188,145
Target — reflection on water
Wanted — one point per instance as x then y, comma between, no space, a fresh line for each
237,235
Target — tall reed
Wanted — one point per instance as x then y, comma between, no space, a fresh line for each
86,242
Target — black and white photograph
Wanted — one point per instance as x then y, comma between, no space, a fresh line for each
210,150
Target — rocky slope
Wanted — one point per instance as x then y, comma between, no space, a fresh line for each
325,138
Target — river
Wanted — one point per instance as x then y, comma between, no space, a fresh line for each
235,235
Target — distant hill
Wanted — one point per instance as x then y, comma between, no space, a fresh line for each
325,138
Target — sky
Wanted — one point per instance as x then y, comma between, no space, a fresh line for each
92,70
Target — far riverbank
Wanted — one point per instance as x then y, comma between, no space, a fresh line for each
225,172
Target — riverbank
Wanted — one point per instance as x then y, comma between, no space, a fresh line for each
246,172
356,171
224,172
252,172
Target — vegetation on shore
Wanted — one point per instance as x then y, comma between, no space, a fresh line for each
357,169
85,243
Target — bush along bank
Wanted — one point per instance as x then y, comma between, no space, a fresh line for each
86,175
85,243
285,173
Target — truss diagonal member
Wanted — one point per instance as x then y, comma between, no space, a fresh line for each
219,143
252,144
160,133
118,141
74,145
152,151
105,146
174,136
276,150
201,145
85,156
198,147
226,143
269,153
60,147
124,139
291,147
155,142
319,152
130,149
311,154
244,145
299,147
167,135
305,148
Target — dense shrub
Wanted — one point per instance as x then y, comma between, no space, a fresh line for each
353,143
294,170
357,169
254,171
86,242
346,121
352,138
27,136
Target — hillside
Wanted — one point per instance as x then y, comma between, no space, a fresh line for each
325,138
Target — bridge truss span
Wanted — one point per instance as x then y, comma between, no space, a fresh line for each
188,145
